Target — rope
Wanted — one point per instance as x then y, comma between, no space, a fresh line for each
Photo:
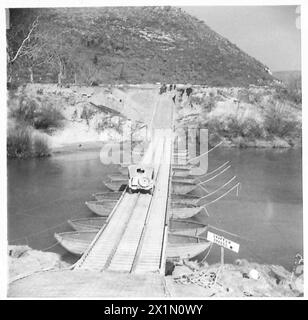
217,274
27,215
44,230
232,234
52,246
218,188
213,201
202,187
205,153
218,174
238,189
207,253
206,211
209,173
41,205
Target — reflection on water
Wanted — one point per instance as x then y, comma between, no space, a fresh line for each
267,214
44,193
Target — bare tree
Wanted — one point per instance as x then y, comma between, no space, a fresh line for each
21,48
24,47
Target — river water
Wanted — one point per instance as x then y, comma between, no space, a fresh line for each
267,214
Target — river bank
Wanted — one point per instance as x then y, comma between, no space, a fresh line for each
254,117
43,118
77,115
34,273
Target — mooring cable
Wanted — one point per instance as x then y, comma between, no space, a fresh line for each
218,174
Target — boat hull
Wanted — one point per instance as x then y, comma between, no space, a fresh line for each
185,247
181,167
197,171
181,187
123,170
187,227
75,242
87,224
176,225
101,208
193,173
107,195
181,246
118,177
194,232
185,213
200,191
116,185
181,173
185,199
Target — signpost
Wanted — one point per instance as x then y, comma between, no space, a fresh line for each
223,243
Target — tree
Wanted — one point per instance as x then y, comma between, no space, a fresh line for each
52,40
87,71
21,36
122,71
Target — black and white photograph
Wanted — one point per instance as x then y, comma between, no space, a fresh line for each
153,151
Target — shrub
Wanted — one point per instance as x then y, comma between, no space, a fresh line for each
30,113
87,114
40,147
48,117
232,126
252,129
106,123
291,92
24,111
102,125
22,144
210,103
19,144
280,121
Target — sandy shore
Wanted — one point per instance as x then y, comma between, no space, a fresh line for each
77,147
43,274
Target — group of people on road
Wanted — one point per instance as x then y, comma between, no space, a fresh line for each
164,88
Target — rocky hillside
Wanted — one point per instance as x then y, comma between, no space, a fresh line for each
125,45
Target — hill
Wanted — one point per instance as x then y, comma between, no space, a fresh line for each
125,45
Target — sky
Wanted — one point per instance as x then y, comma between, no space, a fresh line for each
268,33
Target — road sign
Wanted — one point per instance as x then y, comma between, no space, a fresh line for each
223,242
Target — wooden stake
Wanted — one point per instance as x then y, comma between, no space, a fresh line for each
222,249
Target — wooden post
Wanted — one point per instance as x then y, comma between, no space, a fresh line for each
31,74
237,191
222,251
238,106
131,142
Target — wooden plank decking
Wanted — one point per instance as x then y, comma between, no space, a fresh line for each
151,252
133,238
